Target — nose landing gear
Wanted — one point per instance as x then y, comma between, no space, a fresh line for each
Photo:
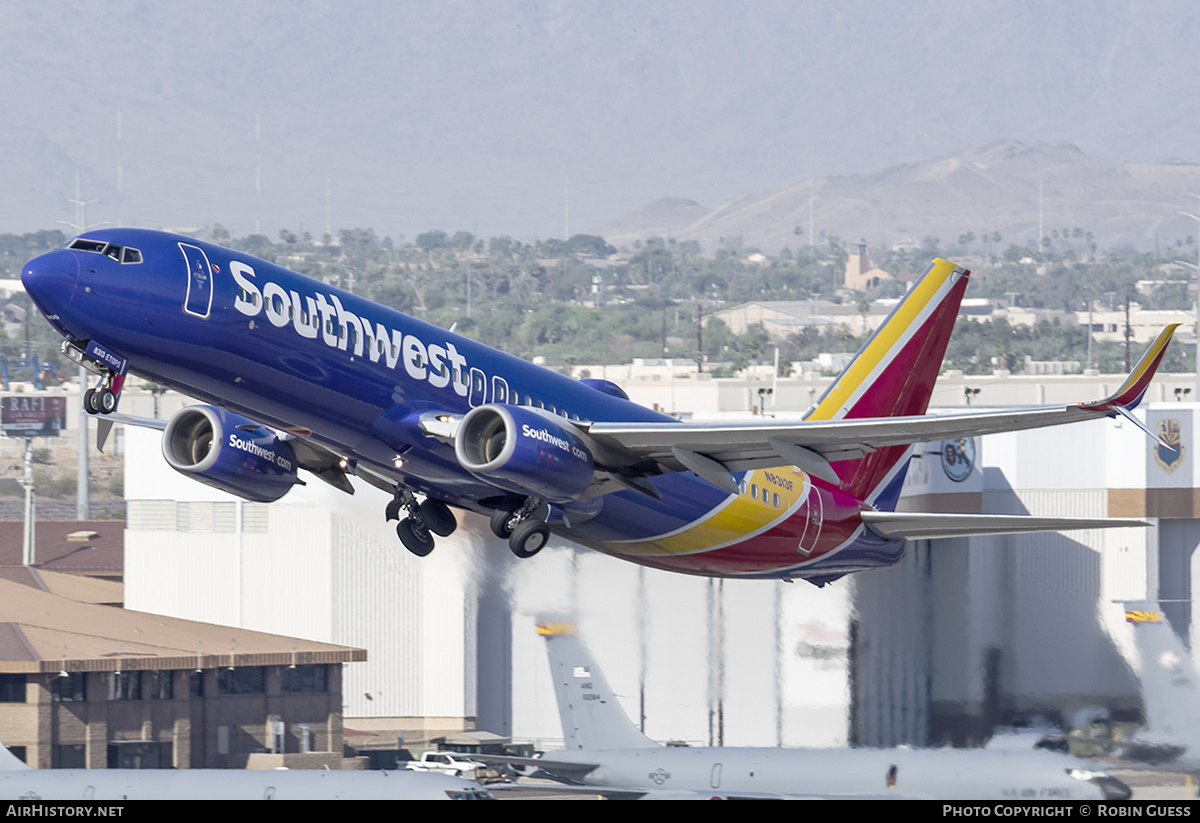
100,400
110,366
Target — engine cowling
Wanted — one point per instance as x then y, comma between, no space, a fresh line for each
205,443
521,450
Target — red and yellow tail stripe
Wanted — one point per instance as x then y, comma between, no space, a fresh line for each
1131,391
858,385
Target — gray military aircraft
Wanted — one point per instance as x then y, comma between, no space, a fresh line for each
1170,695
19,781
605,750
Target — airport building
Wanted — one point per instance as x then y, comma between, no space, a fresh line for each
94,686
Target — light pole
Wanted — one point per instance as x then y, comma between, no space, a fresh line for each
1196,267
82,506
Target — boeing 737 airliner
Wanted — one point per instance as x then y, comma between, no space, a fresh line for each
301,375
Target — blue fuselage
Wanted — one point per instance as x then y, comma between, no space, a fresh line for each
355,376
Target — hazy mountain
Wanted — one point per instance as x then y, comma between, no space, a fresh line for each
471,114
1001,186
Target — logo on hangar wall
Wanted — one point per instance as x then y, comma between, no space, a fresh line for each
1170,456
958,458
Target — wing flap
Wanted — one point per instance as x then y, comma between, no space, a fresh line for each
929,526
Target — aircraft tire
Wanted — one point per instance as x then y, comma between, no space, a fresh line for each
437,517
105,399
415,537
529,538
499,522
89,402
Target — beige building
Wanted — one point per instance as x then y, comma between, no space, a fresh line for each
92,686
782,318
1144,324
860,274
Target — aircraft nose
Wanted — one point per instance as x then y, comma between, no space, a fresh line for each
51,278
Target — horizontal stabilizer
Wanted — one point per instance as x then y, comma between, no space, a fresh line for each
575,769
927,526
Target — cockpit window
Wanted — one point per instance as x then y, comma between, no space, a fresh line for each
82,244
122,254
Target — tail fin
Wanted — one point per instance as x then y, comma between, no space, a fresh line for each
1169,679
893,374
9,762
591,716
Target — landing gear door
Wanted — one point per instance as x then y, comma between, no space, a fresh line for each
198,301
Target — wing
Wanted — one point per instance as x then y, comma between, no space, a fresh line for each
713,450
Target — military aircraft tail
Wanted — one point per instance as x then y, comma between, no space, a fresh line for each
9,762
1170,690
893,375
592,718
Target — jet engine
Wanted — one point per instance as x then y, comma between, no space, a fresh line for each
525,451
230,453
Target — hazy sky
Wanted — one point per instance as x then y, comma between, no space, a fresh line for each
471,114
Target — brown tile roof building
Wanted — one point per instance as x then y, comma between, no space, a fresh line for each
87,686
95,548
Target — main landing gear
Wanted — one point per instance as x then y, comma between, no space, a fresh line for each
523,525
421,521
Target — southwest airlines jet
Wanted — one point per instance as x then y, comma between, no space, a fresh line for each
301,375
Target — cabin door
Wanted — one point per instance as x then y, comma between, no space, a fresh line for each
198,299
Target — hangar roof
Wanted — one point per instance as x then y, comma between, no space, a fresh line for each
41,632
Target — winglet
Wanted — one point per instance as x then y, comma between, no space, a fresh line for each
1131,391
